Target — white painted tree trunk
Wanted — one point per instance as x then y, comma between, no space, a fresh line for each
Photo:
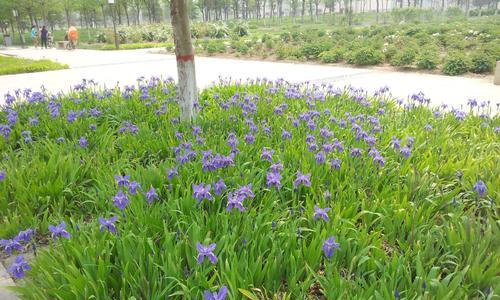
184,52
188,92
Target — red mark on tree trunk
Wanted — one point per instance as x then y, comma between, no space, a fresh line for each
185,58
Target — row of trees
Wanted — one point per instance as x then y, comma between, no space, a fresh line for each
94,13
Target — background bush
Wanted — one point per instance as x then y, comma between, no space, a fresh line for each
456,64
403,57
366,56
332,56
481,63
427,59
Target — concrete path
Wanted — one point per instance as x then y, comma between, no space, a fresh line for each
6,281
123,67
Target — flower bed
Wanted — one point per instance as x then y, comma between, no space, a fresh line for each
277,190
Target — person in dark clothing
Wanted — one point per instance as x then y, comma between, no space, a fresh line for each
43,34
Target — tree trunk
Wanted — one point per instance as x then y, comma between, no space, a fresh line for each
67,17
311,9
377,9
280,9
316,4
125,9
118,11
185,59
303,10
103,16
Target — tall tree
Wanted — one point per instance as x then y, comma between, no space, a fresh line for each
185,58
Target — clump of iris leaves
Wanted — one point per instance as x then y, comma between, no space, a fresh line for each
412,192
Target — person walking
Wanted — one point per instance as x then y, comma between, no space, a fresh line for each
43,35
34,36
72,36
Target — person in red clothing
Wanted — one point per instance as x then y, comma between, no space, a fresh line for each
72,37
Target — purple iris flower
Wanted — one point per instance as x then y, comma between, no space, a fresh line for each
201,192
33,121
83,142
313,147
94,112
428,127
395,143
304,179
480,188
378,159
325,133
311,124
71,116
151,195
18,268
310,138
274,179
321,213
249,138
59,231
122,180
133,186
276,167
406,151
320,157
232,140
335,164
207,252
3,175
356,152
267,154
11,245
285,135
370,140
196,130
245,191
329,247
221,295
172,173
121,200
179,136
339,146
25,235
235,201
328,148
108,224
219,187
12,117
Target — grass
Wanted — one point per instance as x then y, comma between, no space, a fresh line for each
14,65
412,226
129,46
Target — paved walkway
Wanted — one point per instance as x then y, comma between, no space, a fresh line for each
123,67
6,281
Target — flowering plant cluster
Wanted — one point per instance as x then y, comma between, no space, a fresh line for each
277,189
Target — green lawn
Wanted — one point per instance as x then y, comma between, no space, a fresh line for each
14,65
